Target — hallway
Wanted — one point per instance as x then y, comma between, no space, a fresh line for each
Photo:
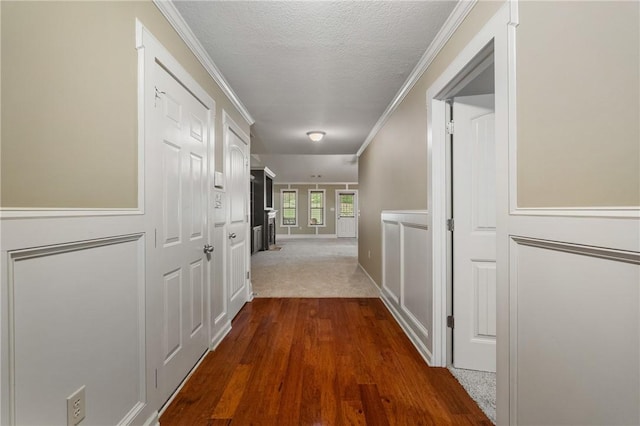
311,268
319,361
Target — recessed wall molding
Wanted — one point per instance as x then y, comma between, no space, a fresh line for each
82,275
407,288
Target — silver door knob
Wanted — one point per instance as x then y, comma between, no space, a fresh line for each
208,248
232,235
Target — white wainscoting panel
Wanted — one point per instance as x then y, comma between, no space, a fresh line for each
220,323
575,325
77,319
417,292
407,288
391,265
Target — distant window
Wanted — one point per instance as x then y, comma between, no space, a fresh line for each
316,207
289,212
346,205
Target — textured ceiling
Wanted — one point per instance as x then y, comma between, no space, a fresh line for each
300,66
309,168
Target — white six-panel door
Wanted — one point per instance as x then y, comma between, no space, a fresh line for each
238,225
474,236
181,234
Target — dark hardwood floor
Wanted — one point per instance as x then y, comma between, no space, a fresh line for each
319,362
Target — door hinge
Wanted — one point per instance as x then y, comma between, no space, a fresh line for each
248,274
450,225
450,321
450,127
156,378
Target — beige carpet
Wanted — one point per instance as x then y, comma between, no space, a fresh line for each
311,268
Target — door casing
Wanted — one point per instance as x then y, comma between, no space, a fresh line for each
151,52
355,207
497,37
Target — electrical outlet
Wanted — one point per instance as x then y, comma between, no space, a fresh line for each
75,407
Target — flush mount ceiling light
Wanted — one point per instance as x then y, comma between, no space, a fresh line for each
316,135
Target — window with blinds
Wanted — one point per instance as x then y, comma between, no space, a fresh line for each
289,213
316,207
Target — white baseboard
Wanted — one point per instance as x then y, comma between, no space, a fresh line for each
305,236
369,276
413,337
153,420
220,335
179,388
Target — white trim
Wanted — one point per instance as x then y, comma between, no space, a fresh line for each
168,9
452,23
493,31
369,276
324,208
583,250
612,239
17,248
413,328
220,335
355,206
605,232
184,381
613,212
282,191
316,183
27,213
305,236
153,420
411,334
407,216
153,54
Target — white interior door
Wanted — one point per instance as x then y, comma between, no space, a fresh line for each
346,214
474,236
180,160
238,224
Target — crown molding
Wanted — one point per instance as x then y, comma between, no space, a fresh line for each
168,9
452,23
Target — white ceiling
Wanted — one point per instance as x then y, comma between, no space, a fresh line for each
309,168
314,65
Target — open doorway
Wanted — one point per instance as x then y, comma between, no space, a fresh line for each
465,109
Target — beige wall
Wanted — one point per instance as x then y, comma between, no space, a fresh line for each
578,104
578,107
392,171
69,101
303,208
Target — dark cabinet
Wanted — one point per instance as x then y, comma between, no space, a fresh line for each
262,213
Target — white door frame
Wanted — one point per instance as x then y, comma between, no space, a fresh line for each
150,51
499,31
229,125
355,206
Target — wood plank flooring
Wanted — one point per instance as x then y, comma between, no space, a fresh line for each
319,362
